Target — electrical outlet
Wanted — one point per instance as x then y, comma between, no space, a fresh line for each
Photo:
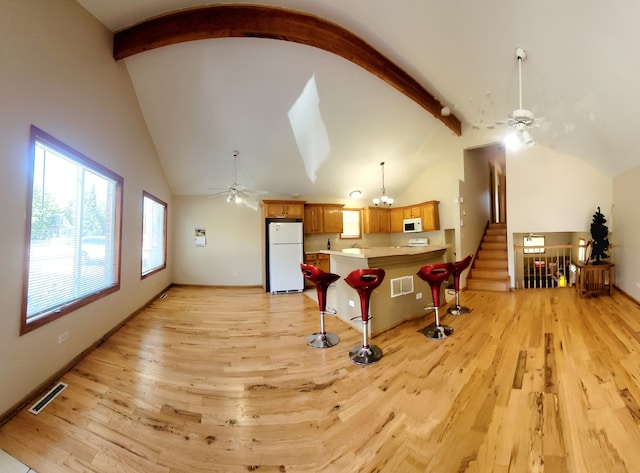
63,337
418,295
351,303
638,284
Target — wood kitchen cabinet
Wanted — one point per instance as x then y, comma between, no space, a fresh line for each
283,209
412,211
376,220
430,216
319,260
426,211
323,218
396,216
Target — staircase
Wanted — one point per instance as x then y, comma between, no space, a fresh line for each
490,269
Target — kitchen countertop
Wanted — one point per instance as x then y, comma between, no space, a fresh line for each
384,251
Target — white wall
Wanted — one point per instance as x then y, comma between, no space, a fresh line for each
624,229
58,74
551,192
475,210
438,179
233,255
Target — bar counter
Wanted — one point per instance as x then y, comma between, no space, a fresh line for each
398,262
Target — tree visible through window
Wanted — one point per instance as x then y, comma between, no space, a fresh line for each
73,232
154,234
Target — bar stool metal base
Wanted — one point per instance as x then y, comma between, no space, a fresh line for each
323,340
437,331
458,310
365,356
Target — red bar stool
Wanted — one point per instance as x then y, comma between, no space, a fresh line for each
364,281
458,268
435,275
322,281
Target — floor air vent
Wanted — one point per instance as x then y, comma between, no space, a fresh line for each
47,398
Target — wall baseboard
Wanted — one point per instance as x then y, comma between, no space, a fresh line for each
46,384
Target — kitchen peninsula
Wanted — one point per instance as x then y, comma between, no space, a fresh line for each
396,300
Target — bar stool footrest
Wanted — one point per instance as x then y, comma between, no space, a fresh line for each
365,356
323,340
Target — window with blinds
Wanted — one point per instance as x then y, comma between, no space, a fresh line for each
154,234
73,235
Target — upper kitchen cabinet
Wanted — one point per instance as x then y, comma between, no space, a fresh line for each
412,211
323,218
430,216
396,216
376,220
426,211
283,209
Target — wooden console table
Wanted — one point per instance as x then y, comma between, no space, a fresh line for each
591,278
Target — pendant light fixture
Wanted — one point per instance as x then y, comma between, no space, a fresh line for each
383,200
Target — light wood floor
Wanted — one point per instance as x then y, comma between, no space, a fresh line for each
221,380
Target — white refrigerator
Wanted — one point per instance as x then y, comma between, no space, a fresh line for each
285,256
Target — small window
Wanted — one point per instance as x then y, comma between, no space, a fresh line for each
154,235
535,242
73,232
351,227
582,252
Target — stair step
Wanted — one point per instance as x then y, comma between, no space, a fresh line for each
495,231
490,264
493,245
489,273
495,238
501,285
492,254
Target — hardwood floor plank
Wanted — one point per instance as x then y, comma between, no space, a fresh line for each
221,380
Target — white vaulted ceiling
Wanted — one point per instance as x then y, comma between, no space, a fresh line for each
204,99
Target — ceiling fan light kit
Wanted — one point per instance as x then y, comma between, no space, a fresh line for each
521,119
236,193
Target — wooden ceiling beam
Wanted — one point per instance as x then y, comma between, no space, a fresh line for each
250,21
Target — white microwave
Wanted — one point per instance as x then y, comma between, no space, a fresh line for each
411,225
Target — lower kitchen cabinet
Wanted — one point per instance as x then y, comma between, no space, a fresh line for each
319,260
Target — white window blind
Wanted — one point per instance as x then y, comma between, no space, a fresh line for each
351,224
73,237
154,234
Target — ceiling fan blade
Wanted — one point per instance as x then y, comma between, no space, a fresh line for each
216,194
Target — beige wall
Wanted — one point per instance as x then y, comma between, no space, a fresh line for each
624,226
551,192
58,74
233,253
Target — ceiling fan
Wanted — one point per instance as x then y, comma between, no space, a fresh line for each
237,193
521,120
